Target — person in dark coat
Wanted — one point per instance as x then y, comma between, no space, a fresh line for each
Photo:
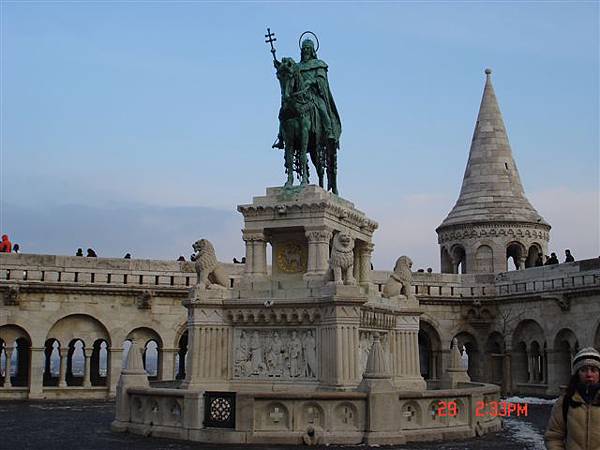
540,260
16,248
552,260
127,256
568,256
79,252
91,253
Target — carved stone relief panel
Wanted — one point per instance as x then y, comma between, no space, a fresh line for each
275,353
364,347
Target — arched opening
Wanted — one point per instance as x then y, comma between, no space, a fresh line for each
99,363
537,363
467,344
430,351
180,358
520,363
15,356
515,254
530,334
51,362
447,266
494,350
459,257
565,348
80,365
151,346
150,359
75,363
484,259
532,256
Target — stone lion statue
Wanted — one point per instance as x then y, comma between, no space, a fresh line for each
209,272
400,280
341,261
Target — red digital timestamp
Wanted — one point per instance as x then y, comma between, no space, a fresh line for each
483,409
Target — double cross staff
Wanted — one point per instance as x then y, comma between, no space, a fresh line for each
270,39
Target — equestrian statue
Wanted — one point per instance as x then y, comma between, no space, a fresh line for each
309,123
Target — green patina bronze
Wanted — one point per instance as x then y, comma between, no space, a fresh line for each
309,123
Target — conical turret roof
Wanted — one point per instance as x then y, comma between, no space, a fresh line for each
491,189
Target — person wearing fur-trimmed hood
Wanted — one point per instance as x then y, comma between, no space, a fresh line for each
575,420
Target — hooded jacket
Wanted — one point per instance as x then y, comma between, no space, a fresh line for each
583,424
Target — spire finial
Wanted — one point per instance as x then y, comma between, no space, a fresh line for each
488,72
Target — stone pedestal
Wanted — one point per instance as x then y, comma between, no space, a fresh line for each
299,223
209,340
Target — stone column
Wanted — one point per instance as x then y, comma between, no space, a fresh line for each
168,364
62,376
256,252
87,353
115,363
36,372
318,251
8,351
366,250
407,370
260,254
530,375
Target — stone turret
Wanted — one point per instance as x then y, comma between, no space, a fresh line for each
492,219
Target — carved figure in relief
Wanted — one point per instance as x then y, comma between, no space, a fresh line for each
242,355
341,261
256,355
275,356
310,355
209,272
400,280
295,355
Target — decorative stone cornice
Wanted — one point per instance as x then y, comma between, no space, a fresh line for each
513,230
273,316
340,212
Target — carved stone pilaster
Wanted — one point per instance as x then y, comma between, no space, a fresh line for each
318,251
256,252
365,253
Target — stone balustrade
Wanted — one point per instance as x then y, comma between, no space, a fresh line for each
72,270
58,269
288,417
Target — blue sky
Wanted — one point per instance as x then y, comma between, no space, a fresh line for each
139,126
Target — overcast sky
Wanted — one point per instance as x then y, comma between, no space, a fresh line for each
139,126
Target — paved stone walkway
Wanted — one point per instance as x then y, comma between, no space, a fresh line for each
85,425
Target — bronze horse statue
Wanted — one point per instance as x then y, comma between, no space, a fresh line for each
299,126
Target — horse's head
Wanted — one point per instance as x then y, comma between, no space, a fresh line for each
288,75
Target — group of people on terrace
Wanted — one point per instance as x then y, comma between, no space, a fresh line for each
553,259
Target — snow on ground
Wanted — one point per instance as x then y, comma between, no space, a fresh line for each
524,432
530,400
